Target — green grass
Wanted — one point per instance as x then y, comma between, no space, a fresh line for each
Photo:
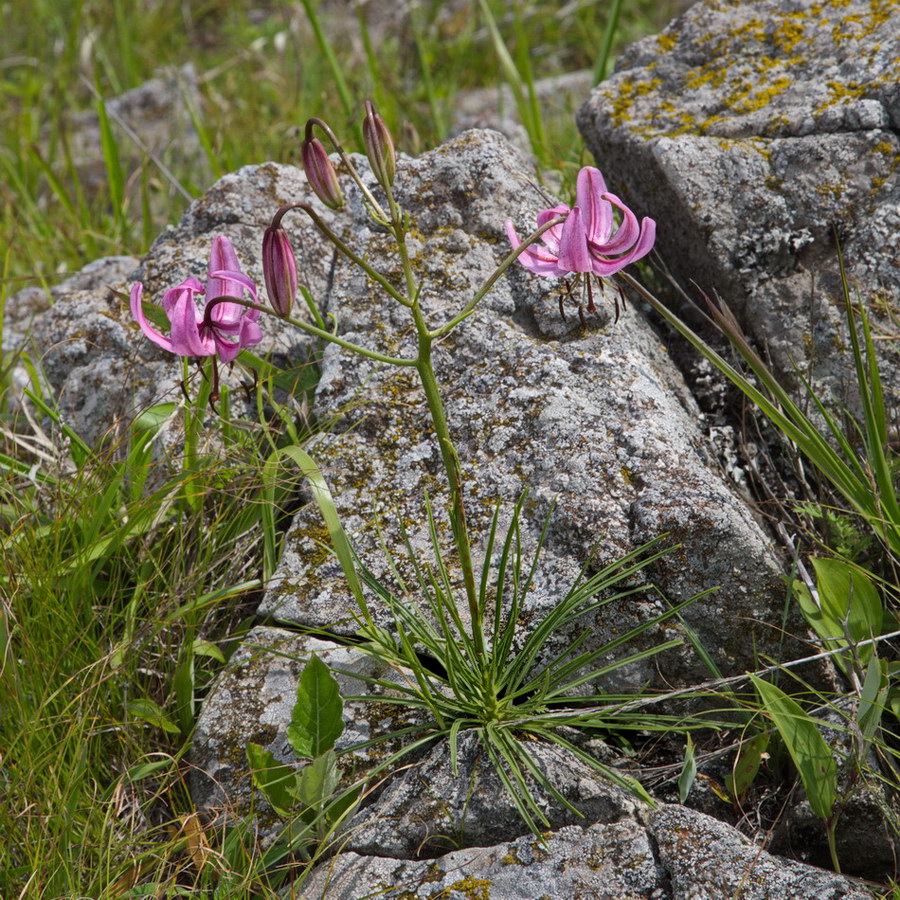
261,74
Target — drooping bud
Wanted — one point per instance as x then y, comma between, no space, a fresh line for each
279,269
379,146
320,172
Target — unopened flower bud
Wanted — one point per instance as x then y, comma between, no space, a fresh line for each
379,146
320,173
279,269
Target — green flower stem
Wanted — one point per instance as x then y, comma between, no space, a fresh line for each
358,260
454,475
398,228
449,456
469,308
318,332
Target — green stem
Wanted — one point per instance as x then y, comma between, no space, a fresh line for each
317,332
454,475
831,831
345,159
469,308
342,246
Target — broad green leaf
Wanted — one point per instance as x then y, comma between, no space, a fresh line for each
847,593
205,648
317,781
688,771
150,712
152,418
272,777
849,605
811,754
746,765
316,720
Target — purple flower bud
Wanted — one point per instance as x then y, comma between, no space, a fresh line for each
279,269
379,146
320,173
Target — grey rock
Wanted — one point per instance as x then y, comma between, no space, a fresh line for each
751,132
24,306
679,855
705,858
495,107
596,419
426,810
604,862
89,354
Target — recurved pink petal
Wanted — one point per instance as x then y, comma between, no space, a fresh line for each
535,258
239,281
227,350
606,267
186,320
626,234
223,262
589,190
574,255
137,311
552,236
222,257
170,297
251,333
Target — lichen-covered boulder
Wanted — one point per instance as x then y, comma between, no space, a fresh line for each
427,810
755,132
596,420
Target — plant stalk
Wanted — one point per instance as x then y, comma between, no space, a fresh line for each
453,469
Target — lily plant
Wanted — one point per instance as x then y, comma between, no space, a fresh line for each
491,685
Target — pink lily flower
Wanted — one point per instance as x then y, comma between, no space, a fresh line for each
221,329
588,242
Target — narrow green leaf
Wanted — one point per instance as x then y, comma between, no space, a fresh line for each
114,177
808,749
339,808
143,770
323,497
272,777
316,720
183,687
